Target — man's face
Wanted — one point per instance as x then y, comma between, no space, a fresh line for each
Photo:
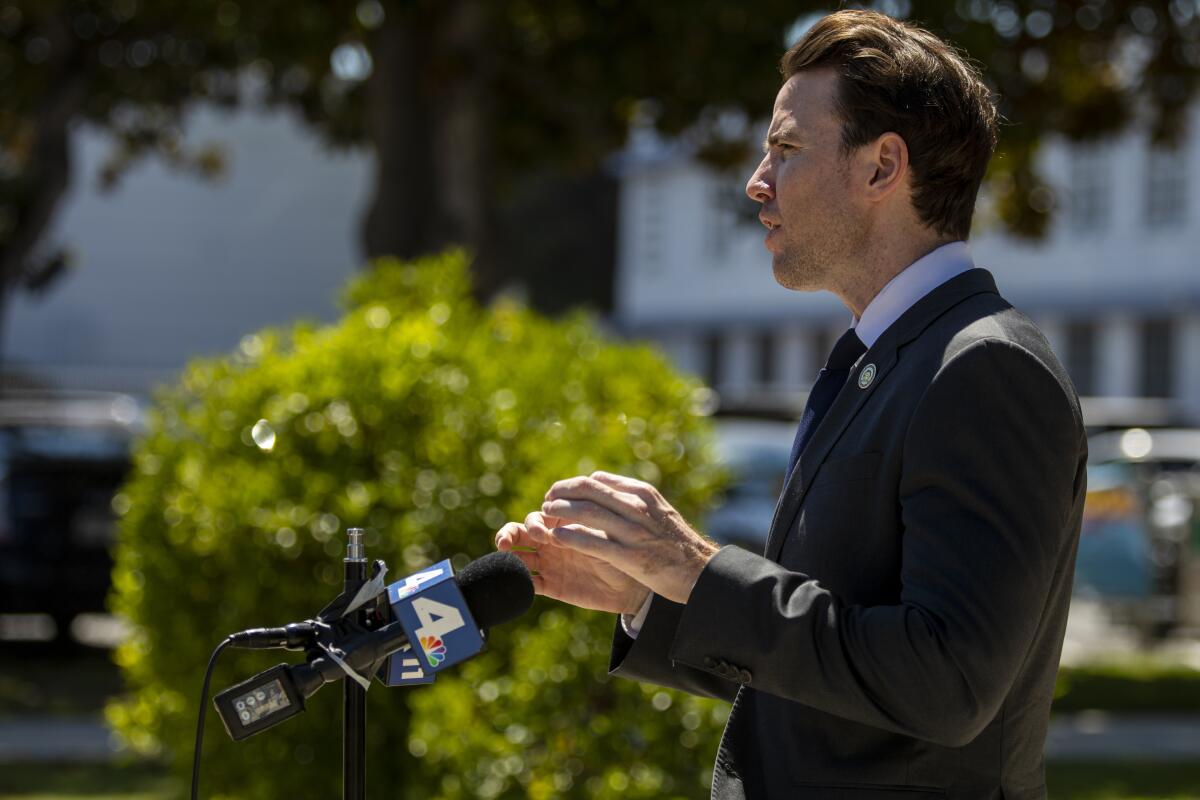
803,183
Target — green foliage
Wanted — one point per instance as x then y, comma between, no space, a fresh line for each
88,781
430,421
1122,779
551,87
1128,687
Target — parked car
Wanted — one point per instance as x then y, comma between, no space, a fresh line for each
756,452
1147,483
62,458
1139,550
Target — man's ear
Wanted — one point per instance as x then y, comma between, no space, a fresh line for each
887,166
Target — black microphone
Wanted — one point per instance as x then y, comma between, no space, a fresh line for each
497,588
293,636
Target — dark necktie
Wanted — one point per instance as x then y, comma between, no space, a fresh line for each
829,382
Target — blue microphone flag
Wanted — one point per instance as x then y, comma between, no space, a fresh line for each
431,608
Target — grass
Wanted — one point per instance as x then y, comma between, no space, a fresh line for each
40,681
44,682
1123,781
1067,781
136,781
80,683
1139,686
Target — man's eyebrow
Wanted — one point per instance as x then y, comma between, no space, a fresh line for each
788,134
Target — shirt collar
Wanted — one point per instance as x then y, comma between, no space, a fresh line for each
911,284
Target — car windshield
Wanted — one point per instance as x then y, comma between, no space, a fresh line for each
64,442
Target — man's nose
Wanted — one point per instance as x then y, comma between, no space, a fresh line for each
759,188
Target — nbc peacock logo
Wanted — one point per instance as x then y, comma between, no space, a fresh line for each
434,649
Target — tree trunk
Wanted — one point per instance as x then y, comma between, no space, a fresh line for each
45,173
429,121
399,124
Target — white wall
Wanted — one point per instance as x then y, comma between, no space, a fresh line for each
1125,265
667,209
685,273
171,267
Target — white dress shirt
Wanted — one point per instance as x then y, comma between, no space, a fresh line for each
899,295
911,284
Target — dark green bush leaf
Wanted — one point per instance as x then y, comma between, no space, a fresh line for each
431,422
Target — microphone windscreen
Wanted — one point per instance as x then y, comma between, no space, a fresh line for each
497,588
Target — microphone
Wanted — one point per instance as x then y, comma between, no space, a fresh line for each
494,589
497,588
294,636
362,654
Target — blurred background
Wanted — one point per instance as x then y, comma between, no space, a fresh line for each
176,176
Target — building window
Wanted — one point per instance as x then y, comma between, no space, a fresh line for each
729,211
722,222
1166,187
1157,356
652,225
1081,356
713,361
1090,188
767,352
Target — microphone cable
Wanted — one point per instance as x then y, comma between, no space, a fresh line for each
212,660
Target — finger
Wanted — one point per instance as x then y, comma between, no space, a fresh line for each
585,487
507,535
517,538
532,562
622,482
546,521
538,528
626,505
514,535
645,492
591,515
512,538
540,520
583,539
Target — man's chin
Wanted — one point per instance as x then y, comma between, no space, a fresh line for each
792,276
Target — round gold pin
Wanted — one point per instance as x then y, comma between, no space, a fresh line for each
866,376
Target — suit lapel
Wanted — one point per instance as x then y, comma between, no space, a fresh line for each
845,406
851,399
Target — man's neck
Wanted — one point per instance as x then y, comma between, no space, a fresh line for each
873,270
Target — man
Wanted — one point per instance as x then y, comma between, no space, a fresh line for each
900,636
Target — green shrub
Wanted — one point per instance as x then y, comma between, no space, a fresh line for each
1137,686
431,422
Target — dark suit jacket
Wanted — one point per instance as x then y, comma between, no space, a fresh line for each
901,635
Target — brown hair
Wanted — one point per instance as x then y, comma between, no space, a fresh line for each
895,76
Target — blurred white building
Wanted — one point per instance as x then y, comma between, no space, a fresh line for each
171,267
1115,284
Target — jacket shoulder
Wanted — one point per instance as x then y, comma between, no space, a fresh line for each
954,339
991,317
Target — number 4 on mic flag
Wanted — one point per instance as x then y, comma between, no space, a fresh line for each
435,616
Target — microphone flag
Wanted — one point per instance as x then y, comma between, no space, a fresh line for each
441,631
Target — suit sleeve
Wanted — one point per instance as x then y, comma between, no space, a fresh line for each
987,488
646,659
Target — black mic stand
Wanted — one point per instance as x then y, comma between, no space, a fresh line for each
354,697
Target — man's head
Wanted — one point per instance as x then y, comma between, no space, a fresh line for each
879,125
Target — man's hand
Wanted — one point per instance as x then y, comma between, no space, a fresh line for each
566,574
626,523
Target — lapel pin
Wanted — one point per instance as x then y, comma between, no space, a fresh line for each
866,376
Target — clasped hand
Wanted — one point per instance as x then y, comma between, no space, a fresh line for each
605,541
